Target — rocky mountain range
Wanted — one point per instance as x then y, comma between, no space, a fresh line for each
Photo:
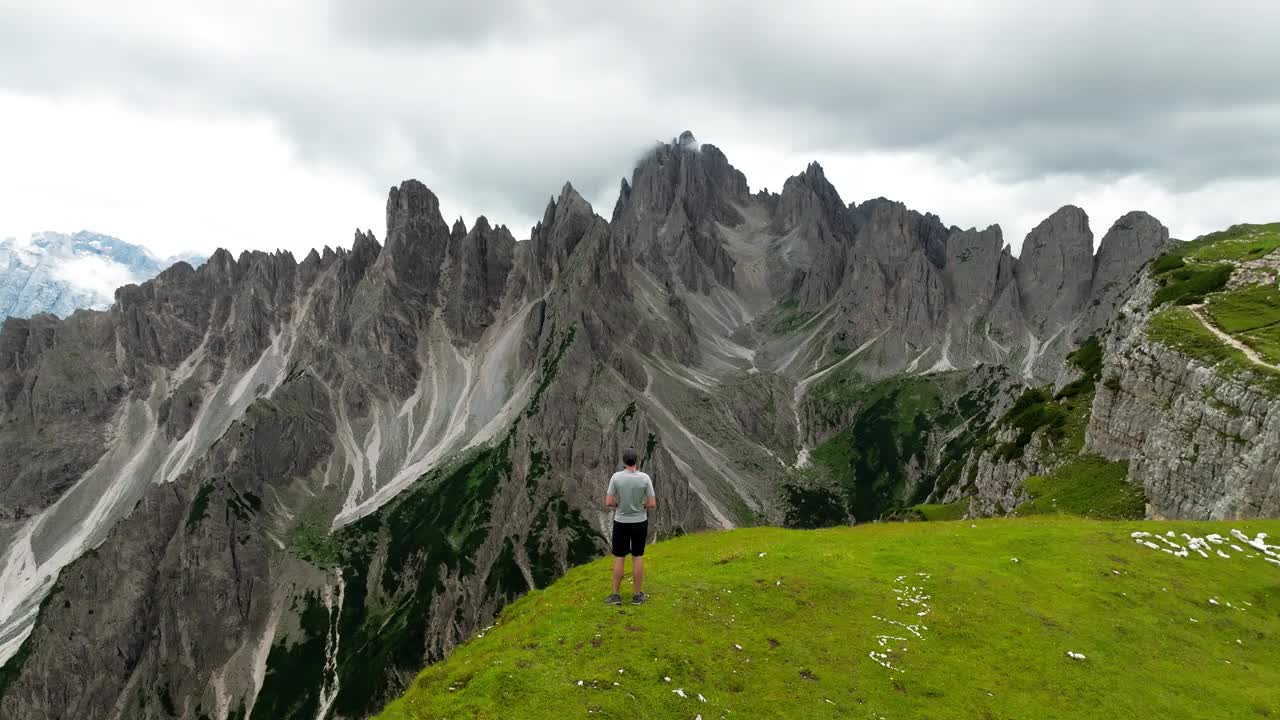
267,488
59,274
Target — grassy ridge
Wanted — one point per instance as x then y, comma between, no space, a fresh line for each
994,639
1252,314
1236,243
1197,272
1177,328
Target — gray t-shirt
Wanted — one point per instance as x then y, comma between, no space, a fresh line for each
631,488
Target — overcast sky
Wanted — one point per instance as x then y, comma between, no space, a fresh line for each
281,125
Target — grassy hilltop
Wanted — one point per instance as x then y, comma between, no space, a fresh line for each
892,620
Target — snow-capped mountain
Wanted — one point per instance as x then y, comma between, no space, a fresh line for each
59,274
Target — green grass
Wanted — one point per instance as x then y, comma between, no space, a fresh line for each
1188,285
1088,360
1239,242
1177,328
1265,341
1244,309
787,316
1086,486
1034,411
943,511
1252,315
994,642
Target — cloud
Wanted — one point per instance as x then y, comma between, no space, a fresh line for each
94,274
982,112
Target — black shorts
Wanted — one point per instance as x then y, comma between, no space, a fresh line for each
628,538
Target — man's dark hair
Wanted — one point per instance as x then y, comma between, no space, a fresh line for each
629,457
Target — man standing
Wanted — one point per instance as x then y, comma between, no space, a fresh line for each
631,497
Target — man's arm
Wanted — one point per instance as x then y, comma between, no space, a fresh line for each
610,499
651,499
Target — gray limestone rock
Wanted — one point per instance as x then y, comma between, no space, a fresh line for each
1055,269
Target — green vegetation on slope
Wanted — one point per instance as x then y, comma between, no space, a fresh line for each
807,609
12,668
943,511
395,562
1062,417
1034,411
1251,314
1179,329
295,668
1247,308
1086,486
1088,360
1080,484
1197,272
550,364
199,506
432,529
1237,243
887,439
1187,285
787,316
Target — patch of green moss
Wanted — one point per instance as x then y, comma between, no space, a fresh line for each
550,365
540,551
166,701
10,671
311,541
538,467
296,371
650,444
787,316
295,669
585,543
628,413
243,505
829,401
505,579
199,506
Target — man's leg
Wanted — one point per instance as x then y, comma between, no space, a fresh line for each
637,573
619,563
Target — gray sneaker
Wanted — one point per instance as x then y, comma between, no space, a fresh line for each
639,598
614,599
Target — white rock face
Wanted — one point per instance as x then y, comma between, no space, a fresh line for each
59,274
